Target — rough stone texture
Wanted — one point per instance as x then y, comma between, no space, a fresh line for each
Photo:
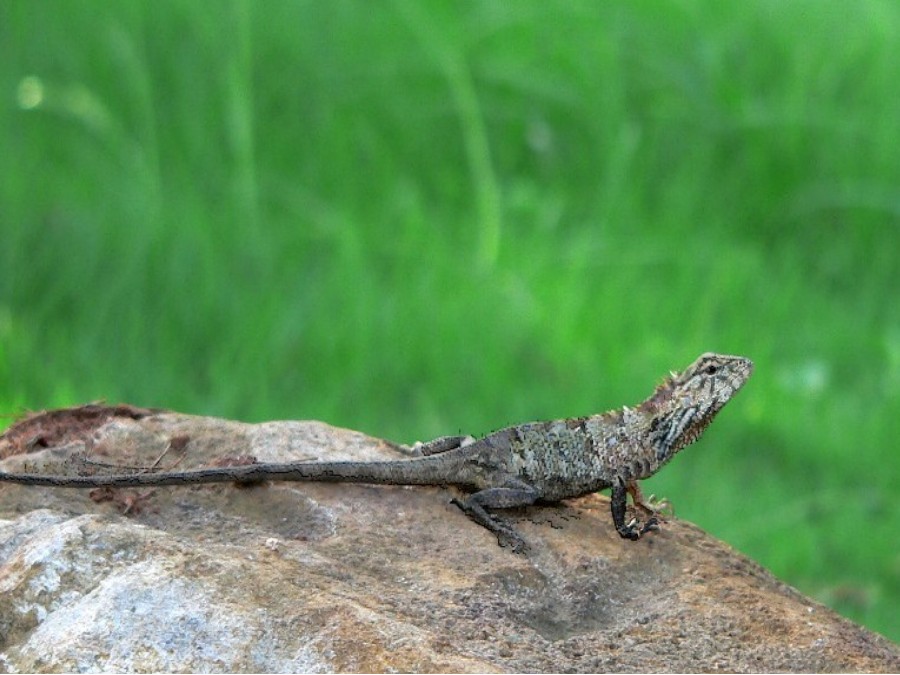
313,577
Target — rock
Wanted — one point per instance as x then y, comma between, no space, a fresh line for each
323,577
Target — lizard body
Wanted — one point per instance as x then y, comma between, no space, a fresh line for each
519,465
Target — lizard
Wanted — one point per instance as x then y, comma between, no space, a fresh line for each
521,465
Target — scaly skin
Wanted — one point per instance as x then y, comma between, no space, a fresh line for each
519,465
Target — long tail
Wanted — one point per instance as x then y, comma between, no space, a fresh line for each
439,469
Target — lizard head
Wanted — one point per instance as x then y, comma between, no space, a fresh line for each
683,406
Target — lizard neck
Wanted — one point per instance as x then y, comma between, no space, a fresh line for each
680,409
633,443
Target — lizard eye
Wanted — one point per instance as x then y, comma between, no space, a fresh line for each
711,370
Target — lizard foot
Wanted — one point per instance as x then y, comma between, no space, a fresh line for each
507,537
634,531
630,531
512,541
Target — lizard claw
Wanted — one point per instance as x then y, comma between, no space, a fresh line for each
629,531
513,542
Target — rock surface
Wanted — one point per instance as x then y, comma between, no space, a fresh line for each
315,577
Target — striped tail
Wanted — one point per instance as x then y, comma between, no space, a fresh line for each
439,469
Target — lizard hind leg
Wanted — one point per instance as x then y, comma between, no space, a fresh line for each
441,444
475,506
632,530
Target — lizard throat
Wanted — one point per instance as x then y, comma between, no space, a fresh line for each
679,430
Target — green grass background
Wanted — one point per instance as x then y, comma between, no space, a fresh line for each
420,218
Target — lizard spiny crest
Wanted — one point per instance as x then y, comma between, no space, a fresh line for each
685,404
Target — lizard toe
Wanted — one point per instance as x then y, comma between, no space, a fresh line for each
652,525
514,543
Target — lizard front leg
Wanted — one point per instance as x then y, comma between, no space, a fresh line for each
618,504
649,507
475,506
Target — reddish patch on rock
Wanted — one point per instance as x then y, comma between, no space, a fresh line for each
235,460
50,428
